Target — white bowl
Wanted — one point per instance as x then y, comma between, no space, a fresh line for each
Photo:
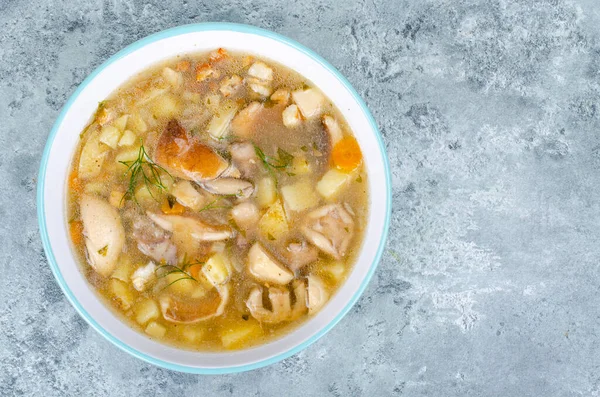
118,69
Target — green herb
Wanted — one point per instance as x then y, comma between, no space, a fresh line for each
304,149
150,173
315,146
270,163
270,236
181,268
102,251
359,179
245,317
213,204
284,156
291,174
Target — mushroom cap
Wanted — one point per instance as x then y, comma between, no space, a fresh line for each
190,311
264,268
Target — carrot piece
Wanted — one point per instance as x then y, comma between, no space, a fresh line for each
175,209
76,232
218,55
346,154
183,66
194,270
74,182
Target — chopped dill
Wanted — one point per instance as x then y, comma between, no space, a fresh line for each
102,251
181,268
143,167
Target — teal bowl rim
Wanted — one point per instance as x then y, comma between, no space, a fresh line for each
200,27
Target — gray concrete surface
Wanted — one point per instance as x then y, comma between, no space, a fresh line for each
490,112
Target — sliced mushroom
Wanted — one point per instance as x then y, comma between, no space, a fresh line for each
193,227
244,122
333,129
229,187
186,195
264,268
309,101
190,311
330,228
103,232
152,240
280,303
243,155
261,71
301,305
143,275
245,215
230,84
300,254
317,294
185,157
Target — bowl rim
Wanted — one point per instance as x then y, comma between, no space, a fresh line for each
176,31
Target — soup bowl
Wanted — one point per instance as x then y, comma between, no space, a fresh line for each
63,139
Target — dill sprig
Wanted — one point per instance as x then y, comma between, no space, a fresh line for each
181,268
143,167
213,204
271,164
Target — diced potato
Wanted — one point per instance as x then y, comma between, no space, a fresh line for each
194,97
156,330
191,333
146,310
217,269
309,101
127,139
137,124
166,106
151,95
123,271
336,270
300,165
299,196
281,96
121,122
265,192
234,336
126,155
205,71
245,215
175,79
332,183
218,246
145,197
219,124
92,158
333,128
243,123
230,85
109,135
261,71
291,116
121,292
116,198
212,102
260,88
186,195
273,224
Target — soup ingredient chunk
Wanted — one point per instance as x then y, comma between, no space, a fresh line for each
186,157
346,154
317,294
330,228
104,233
190,311
193,227
264,268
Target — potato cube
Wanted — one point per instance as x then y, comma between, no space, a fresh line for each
281,96
92,158
261,71
166,106
175,79
127,139
299,196
265,192
136,124
332,183
122,272
156,330
116,198
121,122
335,270
260,88
236,335
230,85
121,292
300,165
217,269
291,116
309,102
126,155
218,127
187,195
273,224
146,310
191,333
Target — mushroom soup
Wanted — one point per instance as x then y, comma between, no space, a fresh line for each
217,201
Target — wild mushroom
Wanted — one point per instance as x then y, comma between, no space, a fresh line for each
143,275
244,122
245,215
103,232
281,307
195,228
243,155
333,129
190,311
229,187
300,254
317,294
264,268
330,228
152,240
185,157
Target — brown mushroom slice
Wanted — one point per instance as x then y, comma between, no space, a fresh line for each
190,311
229,187
301,305
264,268
187,158
280,303
330,228
195,228
300,254
103,232
153,241
317,294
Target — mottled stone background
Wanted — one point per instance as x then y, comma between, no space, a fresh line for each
490,112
